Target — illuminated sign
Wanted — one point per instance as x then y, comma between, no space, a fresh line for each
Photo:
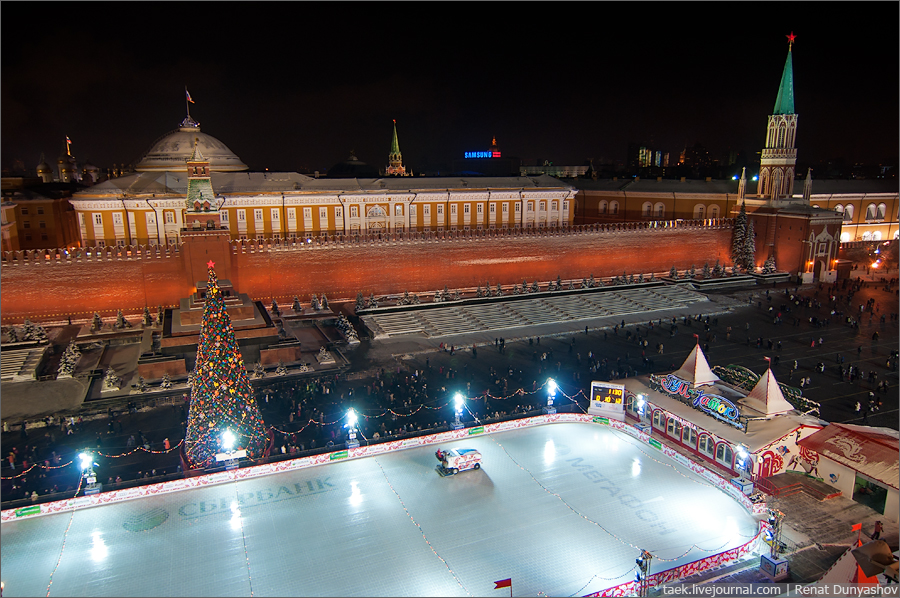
607,400
487,154
712,404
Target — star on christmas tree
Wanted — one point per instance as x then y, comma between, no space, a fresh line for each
221,397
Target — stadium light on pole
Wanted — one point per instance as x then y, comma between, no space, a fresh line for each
551,394
459,402
352,442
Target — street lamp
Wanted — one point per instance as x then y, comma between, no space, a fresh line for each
459,402
351,429
551,394
86,460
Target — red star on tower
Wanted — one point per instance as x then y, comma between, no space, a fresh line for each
791,39
210,264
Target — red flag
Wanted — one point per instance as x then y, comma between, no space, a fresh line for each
503,583
188,94
857,527
769,359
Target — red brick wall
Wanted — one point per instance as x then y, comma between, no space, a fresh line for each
54,290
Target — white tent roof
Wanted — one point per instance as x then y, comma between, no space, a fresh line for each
695,369
766,397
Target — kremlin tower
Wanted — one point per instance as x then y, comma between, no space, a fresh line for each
395,158
779,157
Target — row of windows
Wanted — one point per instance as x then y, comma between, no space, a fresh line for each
688,436
873,212
24,211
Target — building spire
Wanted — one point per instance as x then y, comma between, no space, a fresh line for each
395,158
784,103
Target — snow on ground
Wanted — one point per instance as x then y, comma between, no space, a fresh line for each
562,509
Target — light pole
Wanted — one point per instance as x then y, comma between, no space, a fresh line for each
87,471
642,577
351,429
551,394
229,455
459,402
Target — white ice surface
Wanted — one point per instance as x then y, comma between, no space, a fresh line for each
533,513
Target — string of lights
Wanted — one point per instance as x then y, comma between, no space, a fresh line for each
140,448
416,523
62,548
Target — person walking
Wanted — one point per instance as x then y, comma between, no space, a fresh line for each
876,533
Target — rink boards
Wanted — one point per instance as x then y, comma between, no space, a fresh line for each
562,509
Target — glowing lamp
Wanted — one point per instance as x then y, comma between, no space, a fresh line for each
228,440
458,401
86,460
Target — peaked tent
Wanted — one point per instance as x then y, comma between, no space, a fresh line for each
766,397
695,369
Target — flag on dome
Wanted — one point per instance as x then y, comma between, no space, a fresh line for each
188,94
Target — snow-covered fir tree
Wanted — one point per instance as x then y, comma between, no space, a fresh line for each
591,282
281,370
146,318
141,384
584,283
717,269
478,292
571,285
296,304
693,272
258,370
121,322
456,295
499,292
769,266
738,235
69,359
166,381
516,290
160,314
652,277
372,303
276,311
360,302
534,287
748,257
314,302
673,273
110,380
640,277
324,301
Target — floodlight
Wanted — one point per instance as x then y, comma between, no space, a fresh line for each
228,439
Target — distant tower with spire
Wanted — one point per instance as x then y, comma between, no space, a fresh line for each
395,158
779,158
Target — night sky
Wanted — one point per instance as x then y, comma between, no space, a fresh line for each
297,86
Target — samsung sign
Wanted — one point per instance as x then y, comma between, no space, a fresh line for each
482,154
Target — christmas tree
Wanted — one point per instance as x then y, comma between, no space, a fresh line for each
221,398
738,236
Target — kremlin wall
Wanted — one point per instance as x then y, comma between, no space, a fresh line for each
49,285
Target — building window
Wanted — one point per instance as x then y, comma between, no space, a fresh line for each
258,215
98,219
479,208
839,209
120,242
707,446
398,210
338,213
453,209
276,214
543,206
101,243
260,237
553,205
518,208
646,209
42,224
530,207
323,213
24,211
870,212
170,217
848,213
505,208
40,211
27,237
465,208
689,437
602,207
426,210
307,213
699,209
493,208
117,219
242,215
660,210
440,209
223,216
26,224
412,211
673,428
725,455
613,207
882,210
659,419
713,211
354,211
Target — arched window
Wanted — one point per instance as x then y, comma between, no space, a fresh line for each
707,446
839,209
882,210
602,207
848,213
845,237
713,211
613,207
689,437
867,236
659,419
781,134
660,210
725,455
647,209
870,212
673,428
398,210
876,235
631,404
699,210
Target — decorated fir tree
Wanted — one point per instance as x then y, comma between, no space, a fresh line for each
748,256
221,397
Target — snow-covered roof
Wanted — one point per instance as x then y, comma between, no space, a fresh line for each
874,452
766,397
695,369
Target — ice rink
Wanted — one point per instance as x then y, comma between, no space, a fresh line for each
562,509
